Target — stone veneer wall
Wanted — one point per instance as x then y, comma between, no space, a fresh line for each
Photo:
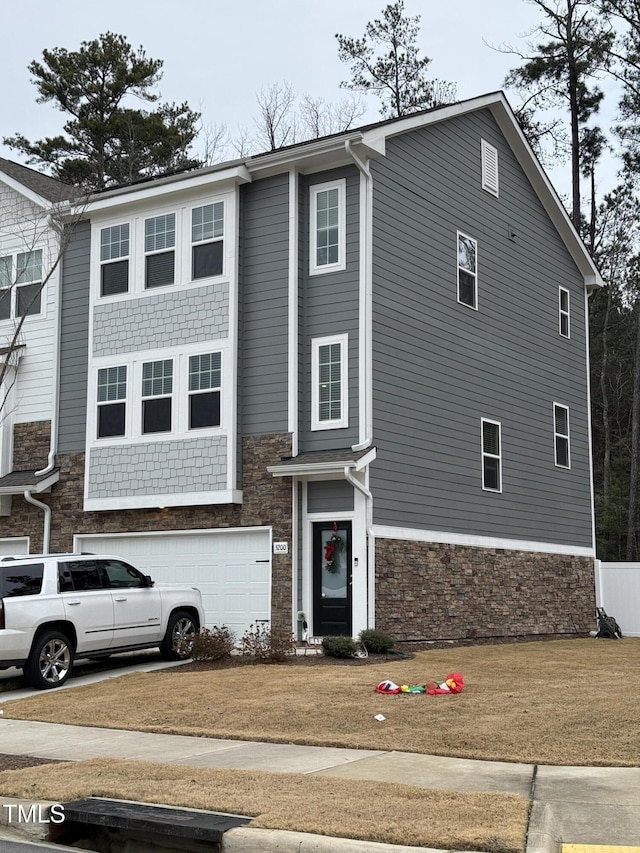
267,501
428,591
31,443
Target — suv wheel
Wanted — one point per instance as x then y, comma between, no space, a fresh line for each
49,664
178,641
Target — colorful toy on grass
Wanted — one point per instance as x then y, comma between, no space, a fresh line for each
453,683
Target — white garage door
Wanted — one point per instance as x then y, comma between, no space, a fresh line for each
232,569
14,545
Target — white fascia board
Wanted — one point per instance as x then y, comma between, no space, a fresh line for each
158,501
412,534
25,191
309,469
334,468
315,156
156,189
43,485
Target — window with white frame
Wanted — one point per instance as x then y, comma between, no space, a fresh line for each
159,247
489,157
114,259
467,271
157,391
327,228
561,436
205,379
112,396
563,309
491,456
21,284
207,232
329,398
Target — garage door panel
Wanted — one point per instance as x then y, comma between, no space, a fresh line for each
232,569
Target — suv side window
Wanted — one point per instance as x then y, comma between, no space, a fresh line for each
120,575
21,580
84,575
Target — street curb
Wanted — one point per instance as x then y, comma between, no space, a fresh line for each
248,840
543,835
31,830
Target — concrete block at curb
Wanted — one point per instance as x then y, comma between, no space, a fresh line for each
26,819
248,840
544,833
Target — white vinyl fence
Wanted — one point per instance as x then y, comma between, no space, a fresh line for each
618,592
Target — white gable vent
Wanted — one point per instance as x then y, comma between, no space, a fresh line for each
489,168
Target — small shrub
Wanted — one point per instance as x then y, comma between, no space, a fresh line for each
375,641
213,644
269,645
339,647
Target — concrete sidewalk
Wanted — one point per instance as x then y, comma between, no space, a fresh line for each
589,805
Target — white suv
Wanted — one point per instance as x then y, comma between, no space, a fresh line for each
56,607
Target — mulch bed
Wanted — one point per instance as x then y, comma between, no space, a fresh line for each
19,762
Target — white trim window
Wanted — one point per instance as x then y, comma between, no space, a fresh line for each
561,440
21,285
329,388
491,455
467,271
205,382
157,393
489,158
563,312
207,240
112,397
327,252
114,259
159,248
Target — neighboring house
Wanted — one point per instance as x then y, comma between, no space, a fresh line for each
29,319
339,385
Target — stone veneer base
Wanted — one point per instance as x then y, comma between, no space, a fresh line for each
428,591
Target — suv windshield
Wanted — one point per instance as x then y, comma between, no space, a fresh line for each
20,580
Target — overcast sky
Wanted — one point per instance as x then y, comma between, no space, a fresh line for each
218,53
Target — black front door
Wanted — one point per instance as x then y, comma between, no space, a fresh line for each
332,578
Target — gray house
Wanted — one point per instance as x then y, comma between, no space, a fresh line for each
337,386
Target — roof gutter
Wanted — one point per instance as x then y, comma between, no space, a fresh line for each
365,352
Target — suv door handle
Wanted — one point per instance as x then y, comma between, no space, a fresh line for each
120,599
72,603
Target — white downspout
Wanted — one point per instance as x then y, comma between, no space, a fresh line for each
55,403
370,544
366,300
46,533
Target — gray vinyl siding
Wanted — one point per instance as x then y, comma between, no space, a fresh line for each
74,341
439,366
329,496
264,284
329,306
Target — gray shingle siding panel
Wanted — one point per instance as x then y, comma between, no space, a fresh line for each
264,285
74,341
439,367
329,306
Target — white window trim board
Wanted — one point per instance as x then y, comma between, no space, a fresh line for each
497,456
562,313
341,186
566,436
343,421
473,307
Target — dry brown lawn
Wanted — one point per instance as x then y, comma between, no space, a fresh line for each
402,814
559,702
